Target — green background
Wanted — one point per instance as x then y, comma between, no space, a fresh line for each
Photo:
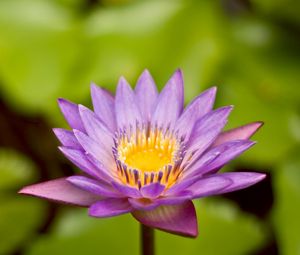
250,49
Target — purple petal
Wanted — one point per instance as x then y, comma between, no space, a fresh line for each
150,204
205,132
181,185
170,102
209,186
177,219
240,133
110,207
146,95
152,190
67,138
104,107
96,129
95,149
79,158
62,191
96,187
240,180
71,113
217,157
127,111
200,106
107,175
127,191
228,152
179,198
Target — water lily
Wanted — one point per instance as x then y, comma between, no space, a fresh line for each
142,153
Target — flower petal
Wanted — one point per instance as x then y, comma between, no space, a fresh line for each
96,187
200,106
95,149
127,111
205,131
217,157
177,219
110,207
209,186
67,138
240,180
62,191
239,133
104,107
146,95
127,191
170,102
79,158
143,204
150,204
96,129
180,186
152,190
71,113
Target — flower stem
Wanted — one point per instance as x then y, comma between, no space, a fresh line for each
147,240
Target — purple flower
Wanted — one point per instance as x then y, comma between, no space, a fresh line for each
143,153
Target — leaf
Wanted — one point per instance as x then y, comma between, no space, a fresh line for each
76,233
19,220
287,204
15,169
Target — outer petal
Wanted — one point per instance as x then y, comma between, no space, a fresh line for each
200,106
95,149
67,138
146,95
96,129
127,112
79,158
180,186
205,131
62,191
96,187
240,133
209,186
177,219
170,102
110,207
217,157
71,113
104,108
240,180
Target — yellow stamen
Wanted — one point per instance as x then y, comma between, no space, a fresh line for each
148,156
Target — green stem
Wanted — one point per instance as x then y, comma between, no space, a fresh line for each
147,240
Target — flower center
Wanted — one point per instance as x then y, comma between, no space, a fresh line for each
148,159
147,155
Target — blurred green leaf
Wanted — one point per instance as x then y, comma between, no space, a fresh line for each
76,233
19,220
279,9
287,205
15,169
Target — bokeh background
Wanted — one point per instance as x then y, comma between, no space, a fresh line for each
250,49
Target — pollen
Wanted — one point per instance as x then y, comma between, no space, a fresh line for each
147,155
